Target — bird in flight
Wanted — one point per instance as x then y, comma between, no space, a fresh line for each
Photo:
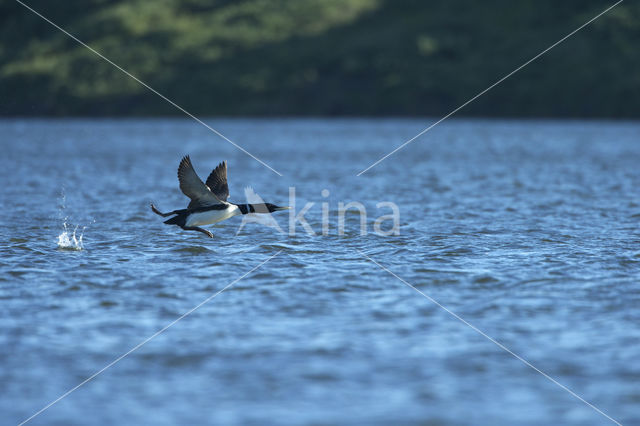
208,201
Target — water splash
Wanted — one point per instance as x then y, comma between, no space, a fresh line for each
69,240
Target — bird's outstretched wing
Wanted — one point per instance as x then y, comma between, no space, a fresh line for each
192,186
217,181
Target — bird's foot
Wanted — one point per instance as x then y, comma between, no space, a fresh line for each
155,210
195,228
158,212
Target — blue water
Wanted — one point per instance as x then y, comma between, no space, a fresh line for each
527,230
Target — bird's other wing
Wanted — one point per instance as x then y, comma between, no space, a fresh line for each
217,181
192,186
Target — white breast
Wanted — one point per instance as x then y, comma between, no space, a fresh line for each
212,216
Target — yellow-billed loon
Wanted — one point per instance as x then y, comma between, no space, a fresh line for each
208,201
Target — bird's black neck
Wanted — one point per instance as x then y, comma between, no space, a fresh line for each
246,208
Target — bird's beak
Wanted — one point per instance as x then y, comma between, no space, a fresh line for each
281,208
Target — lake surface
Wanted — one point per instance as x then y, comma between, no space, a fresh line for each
527,230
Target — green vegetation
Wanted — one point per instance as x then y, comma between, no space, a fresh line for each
320,57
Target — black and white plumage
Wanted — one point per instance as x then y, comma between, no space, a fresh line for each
208,201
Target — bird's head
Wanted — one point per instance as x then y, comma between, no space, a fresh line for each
273,208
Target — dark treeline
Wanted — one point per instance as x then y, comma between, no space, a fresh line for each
314,57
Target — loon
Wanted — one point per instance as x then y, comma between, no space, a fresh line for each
208,201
